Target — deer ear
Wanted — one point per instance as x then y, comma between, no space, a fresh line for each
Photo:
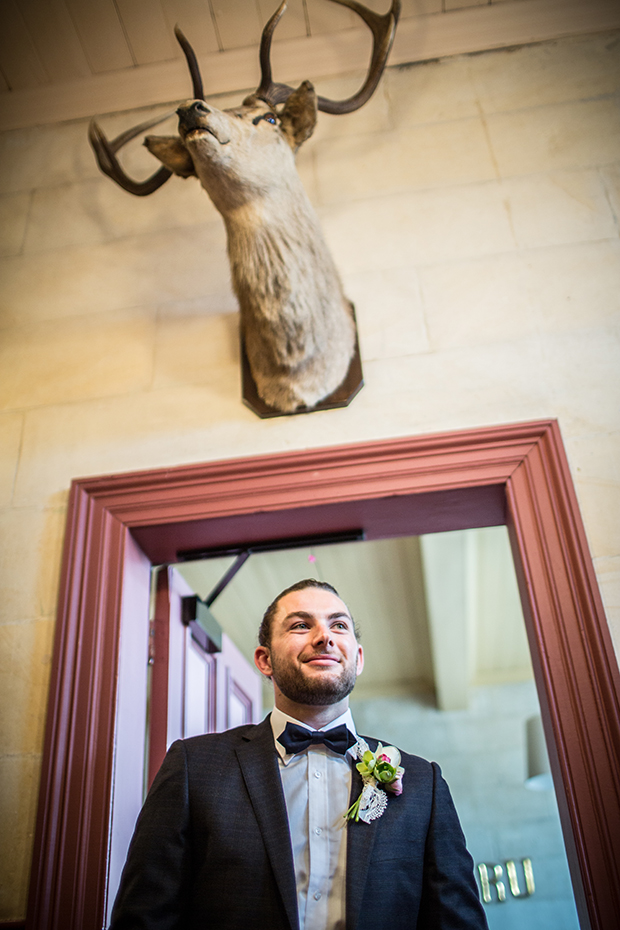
172,154
298,118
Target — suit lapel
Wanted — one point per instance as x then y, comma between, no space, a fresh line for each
259,765
360,843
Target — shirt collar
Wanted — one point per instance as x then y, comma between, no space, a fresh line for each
279,720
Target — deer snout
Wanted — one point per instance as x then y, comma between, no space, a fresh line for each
192,115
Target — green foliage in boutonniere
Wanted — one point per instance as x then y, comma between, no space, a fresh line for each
381,771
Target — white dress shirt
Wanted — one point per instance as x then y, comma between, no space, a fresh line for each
317,785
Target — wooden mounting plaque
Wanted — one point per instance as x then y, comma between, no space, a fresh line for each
341,397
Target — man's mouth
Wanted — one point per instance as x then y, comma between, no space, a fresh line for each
322,660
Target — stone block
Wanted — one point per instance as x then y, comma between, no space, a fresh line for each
555,137
610,176
568,69
136,271
599,502
25,661
44,156
389,312
97,210
30,552
574,286
418,228
431,92
19,775
476,302
432,155
76,358
170,426
608,574
11,425
191,349
373,117
13,217
581,371
561,207
594,457
499,382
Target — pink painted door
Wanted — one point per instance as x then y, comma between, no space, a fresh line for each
193,691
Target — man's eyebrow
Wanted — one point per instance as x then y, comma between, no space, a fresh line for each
304,615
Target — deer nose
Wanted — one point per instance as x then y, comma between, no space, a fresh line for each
195,109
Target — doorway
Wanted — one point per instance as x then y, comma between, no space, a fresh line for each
447,676
119,526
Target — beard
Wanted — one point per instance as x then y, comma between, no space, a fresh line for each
319,691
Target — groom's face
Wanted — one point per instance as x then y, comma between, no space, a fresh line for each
313,657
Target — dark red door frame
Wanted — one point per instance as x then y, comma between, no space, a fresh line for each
516,474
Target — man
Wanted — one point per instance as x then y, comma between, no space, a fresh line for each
247,829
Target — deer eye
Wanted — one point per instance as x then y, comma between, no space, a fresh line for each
266,116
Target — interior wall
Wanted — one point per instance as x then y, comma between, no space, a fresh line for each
472,208
482,754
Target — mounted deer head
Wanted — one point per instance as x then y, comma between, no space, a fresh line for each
297,326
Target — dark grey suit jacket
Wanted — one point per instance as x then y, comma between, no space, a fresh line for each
212,848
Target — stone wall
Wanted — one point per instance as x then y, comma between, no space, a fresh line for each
472,208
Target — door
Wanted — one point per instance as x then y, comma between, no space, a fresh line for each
193,690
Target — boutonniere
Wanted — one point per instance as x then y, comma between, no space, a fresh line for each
381,771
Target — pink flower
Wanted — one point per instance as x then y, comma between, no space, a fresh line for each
396,786
383,758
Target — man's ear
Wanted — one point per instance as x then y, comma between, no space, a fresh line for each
298,118
360,660
262,661
172,154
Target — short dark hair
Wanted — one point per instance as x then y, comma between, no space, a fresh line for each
264,630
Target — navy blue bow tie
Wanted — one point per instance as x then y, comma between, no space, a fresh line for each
296,739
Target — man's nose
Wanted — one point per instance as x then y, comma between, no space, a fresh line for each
323,634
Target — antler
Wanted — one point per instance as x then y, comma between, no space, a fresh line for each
192,64
109,164
383,28
106,150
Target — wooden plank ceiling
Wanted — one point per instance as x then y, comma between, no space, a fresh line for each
67,59
53,41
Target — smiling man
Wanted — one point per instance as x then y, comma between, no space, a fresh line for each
299,823
308,647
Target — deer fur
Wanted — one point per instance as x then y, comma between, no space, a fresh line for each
297,325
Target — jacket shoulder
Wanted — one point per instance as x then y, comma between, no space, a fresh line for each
226,741
226,737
